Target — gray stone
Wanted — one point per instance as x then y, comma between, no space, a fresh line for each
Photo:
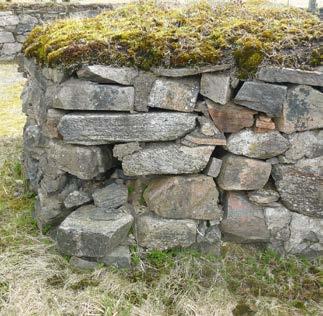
83,162
93,232
122,150
27,19
6,37
159,233
76,199
82,263
174,94
143,84
213,167
104,128
8,19
185,72
265,195
216,87
208,239
278,219
300,186
193,197
56,75
207,127
108,74
111,197
240,173
257,145
298,76
263,97
306,237
307,144
302,111
119,257
84,95
50,126
243,221
21,38
169,158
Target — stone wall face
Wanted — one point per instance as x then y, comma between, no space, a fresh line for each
18,20
179,158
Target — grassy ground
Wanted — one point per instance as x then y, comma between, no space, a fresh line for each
36,280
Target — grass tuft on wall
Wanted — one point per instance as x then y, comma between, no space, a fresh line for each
144,35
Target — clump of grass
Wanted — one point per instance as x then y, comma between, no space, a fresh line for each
145,35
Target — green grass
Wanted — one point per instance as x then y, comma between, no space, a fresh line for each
145,35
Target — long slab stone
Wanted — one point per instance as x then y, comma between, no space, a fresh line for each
290,75
84,95
102,128
169,158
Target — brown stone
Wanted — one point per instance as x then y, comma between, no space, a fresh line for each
230,118
264,125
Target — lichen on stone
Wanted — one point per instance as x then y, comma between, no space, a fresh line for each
144,35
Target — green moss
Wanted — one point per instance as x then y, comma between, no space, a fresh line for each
145,35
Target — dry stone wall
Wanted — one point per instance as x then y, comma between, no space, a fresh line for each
17,20
174,158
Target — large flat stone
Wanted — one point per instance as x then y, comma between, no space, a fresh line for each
93,232
167,158
300,186
6,37
289,75
302,111
84,95
306,236
108,128
174,94
240,173
216,87
108,74
154,232
194,197
243,221
83,162
257,145
262,97
230,118
111,197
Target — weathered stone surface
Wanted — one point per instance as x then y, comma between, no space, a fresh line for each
306,236
119,257
257,145
174,94
278,219
8,19
239,173
208,240
243,221
143,84
307,144
105,128
122,150
263,97
185,72
154,232
6,37
194,197
207,127
300,186
76,199
56,75
265,195
264,124
92,232
196,138
50,127
84,95
83,162
276,74
108,74
111,197
302,111
230,118
216,87
82,263
10,49
167,158
213,167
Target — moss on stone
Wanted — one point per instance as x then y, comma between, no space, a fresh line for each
145,35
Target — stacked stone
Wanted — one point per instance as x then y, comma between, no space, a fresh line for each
174,158
18,20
